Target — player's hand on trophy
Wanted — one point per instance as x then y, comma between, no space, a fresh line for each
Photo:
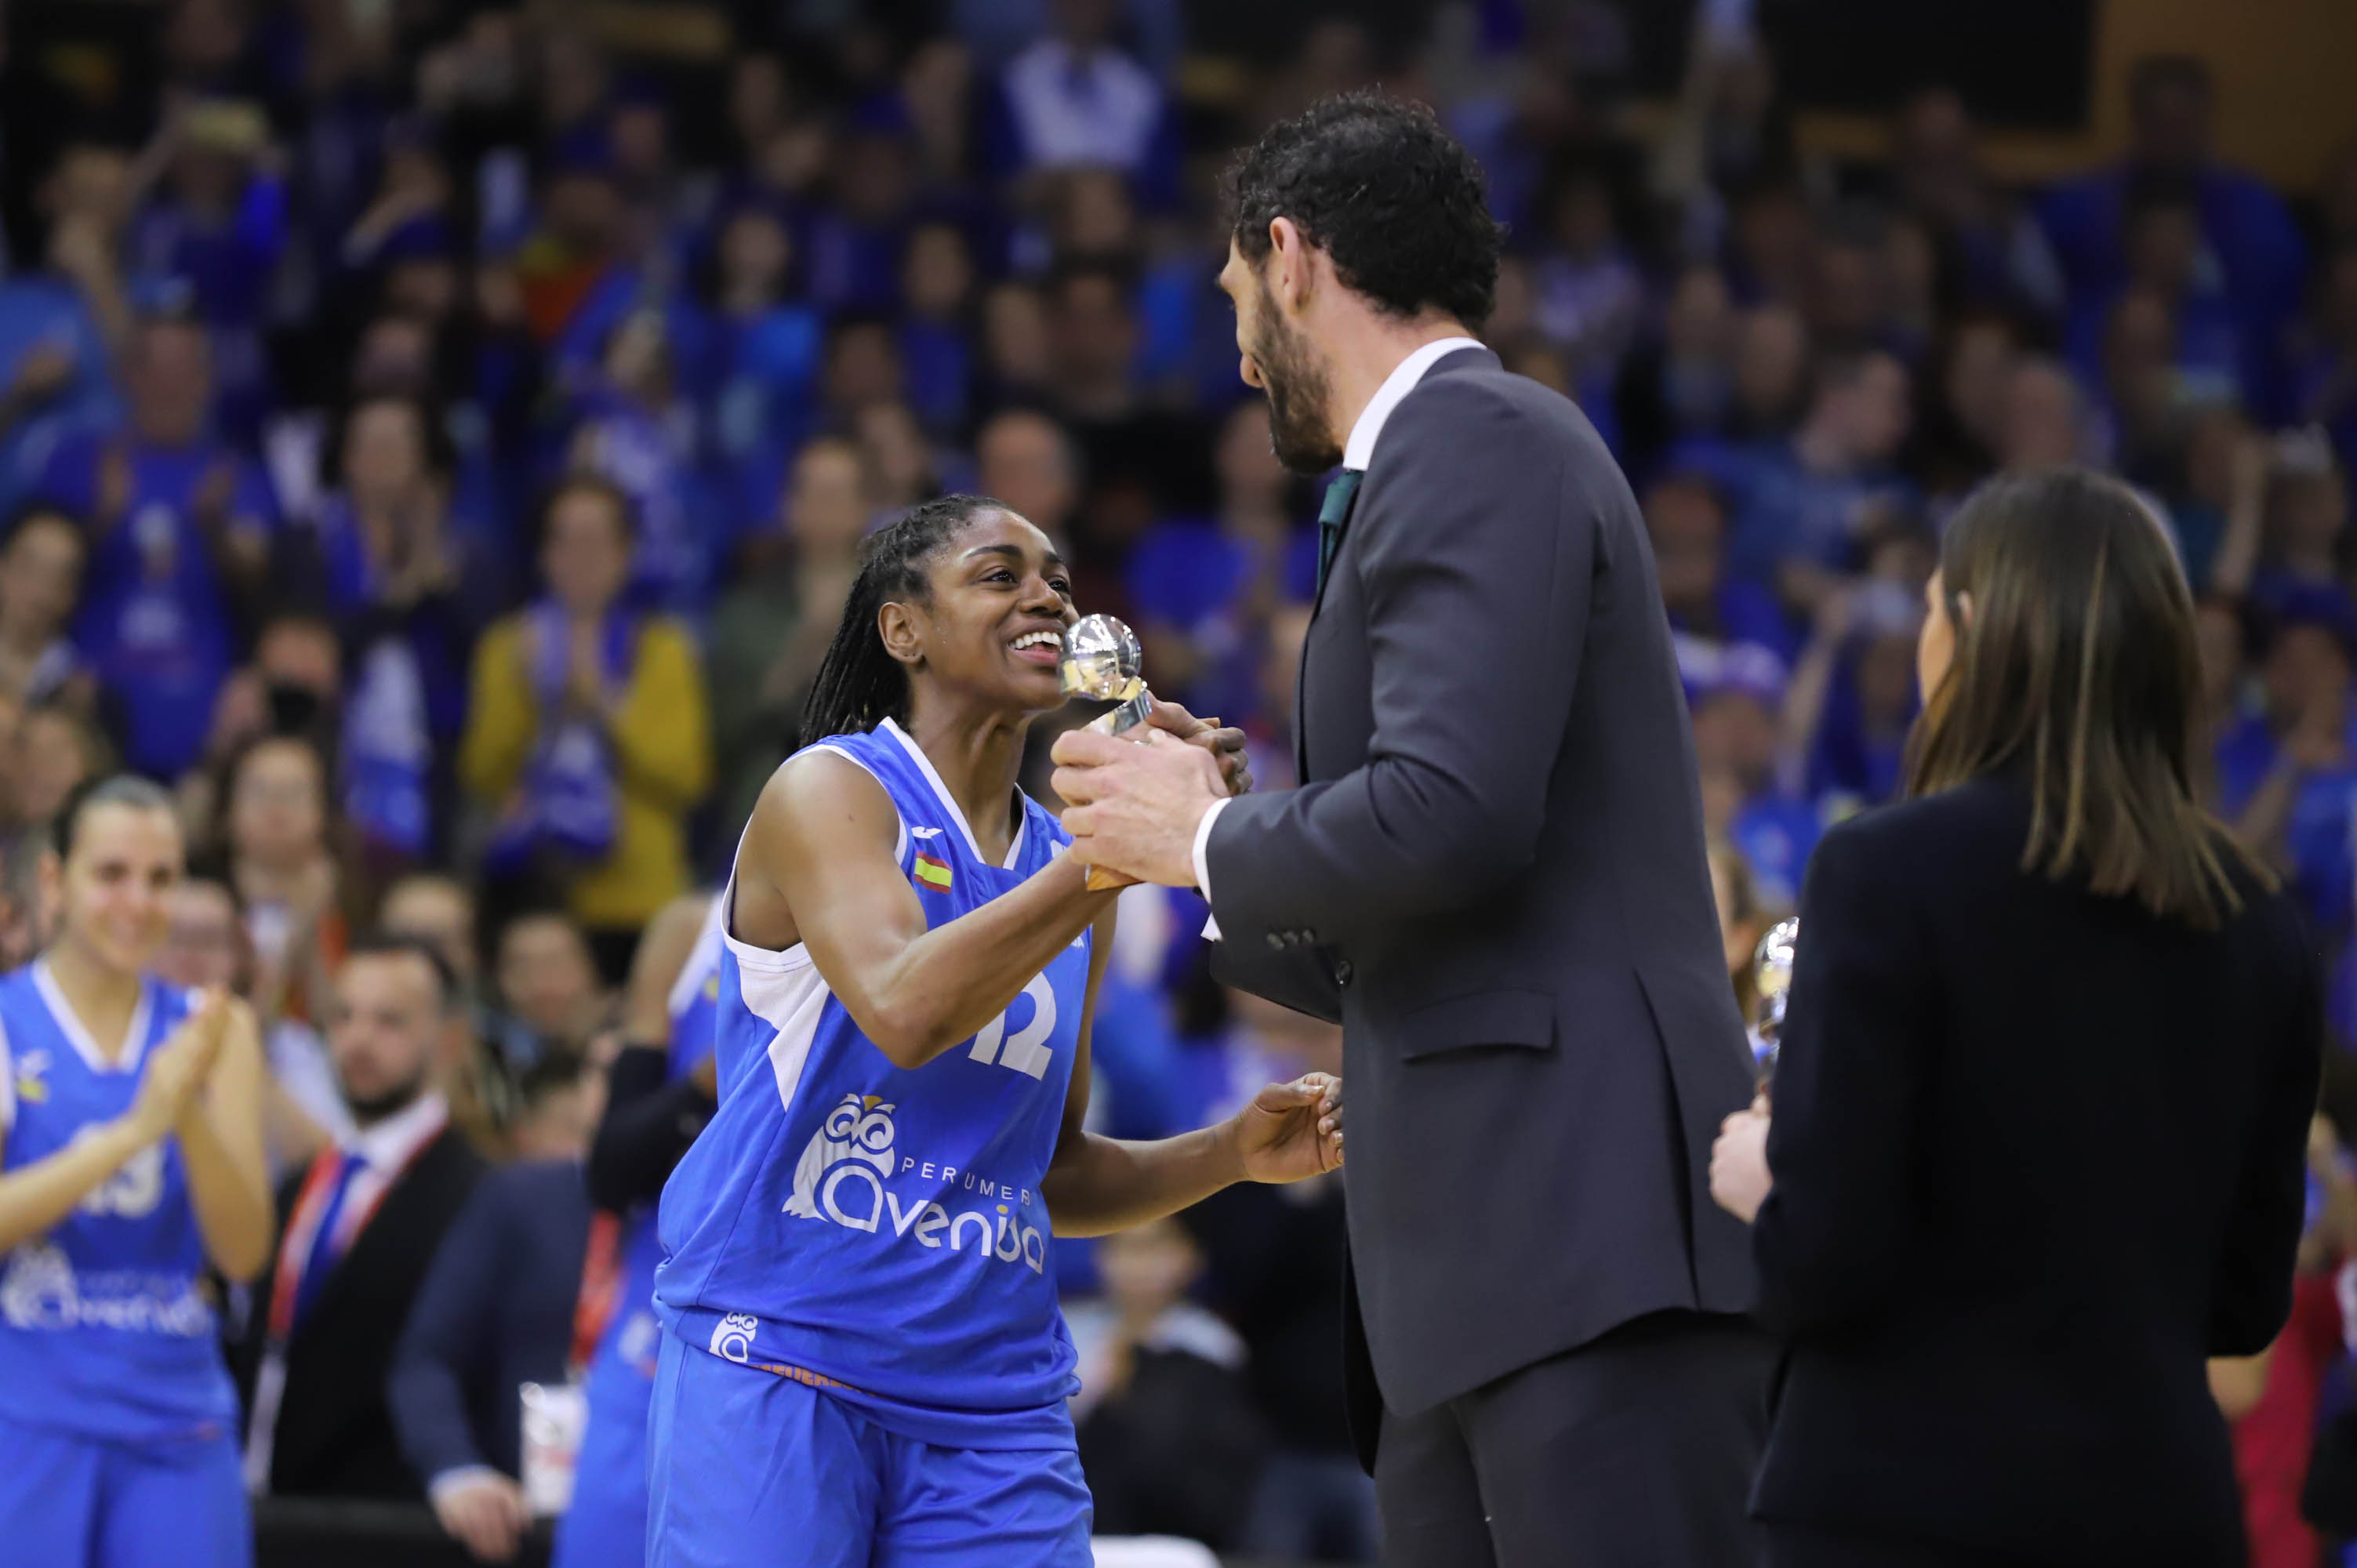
1292,1131
1133,807
1740,1178
1226,746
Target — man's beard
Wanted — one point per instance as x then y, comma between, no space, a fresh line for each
392,1101
1300,395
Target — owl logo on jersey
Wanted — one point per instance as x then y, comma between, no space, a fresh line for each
39,1290
857,1135
732,1340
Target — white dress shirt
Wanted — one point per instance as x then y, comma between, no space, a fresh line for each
1357,452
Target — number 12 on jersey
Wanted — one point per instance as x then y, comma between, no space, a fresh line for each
1027,1052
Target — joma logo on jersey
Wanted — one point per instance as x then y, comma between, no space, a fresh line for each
841,1175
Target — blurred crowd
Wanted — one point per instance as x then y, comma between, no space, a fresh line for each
436,439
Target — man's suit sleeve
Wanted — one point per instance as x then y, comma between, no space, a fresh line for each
1474,548
445,1346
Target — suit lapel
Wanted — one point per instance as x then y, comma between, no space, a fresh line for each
1455,361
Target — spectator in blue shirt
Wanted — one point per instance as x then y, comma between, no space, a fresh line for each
638,430
180,529
1806,503
1853,696
409,596
2166,258
937,282
217,234
2324,361
1993,248
1075,97
41,561
765,356
2246,224
851,246
1013,343
1685,518
2287,775
1204,587
60,326
1682,387
1748,798
1590,295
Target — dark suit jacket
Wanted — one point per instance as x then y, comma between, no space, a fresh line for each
335,1435
495,1313
2038,1155
1493,876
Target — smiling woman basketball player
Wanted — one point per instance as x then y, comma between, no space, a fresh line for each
864,1363
130,1164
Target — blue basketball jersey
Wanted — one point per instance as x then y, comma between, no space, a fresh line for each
629,1342
876,1231
606,1525
104,1328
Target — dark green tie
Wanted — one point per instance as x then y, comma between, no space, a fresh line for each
1332,516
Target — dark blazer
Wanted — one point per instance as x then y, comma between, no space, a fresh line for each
1494,878
2038,1155
495,1313
335,1437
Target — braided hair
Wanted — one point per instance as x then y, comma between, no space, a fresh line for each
859,685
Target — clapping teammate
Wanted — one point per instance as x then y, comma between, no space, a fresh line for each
131,1112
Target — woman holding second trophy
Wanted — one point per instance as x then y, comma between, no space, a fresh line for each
2044,1092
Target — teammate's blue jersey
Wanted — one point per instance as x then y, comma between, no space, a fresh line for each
629,1343
877,1231
606,1525
104,1328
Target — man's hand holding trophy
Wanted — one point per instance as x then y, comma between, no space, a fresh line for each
1102,662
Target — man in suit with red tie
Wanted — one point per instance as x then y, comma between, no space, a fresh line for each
359,1226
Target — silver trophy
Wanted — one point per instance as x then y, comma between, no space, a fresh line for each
1101,662
1771,983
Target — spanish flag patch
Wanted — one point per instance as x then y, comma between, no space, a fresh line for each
933,872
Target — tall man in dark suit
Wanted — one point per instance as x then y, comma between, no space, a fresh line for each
1493,876
360,1225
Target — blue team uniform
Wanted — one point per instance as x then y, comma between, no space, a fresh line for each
863,1362
606,1527
116,1413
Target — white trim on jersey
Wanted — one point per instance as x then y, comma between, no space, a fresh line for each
949,802
78,1035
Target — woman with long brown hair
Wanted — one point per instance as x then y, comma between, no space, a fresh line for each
2042,1101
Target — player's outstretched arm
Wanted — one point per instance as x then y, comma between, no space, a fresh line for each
818,867
1093,1185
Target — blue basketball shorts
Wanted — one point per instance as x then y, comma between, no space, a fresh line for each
71,1501
747,1469
606,1524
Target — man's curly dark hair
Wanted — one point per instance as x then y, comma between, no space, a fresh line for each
1395,200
